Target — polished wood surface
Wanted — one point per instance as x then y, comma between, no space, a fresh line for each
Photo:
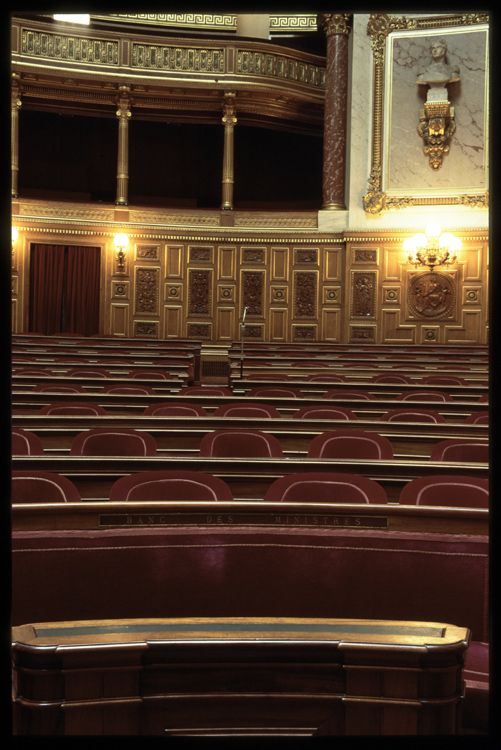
238,676
249,514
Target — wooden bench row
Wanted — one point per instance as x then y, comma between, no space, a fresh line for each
248,478
183,434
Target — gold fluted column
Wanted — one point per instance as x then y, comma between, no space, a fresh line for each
15,107
123,114
335,26
229,122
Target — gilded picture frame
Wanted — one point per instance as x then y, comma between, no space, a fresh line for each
400,175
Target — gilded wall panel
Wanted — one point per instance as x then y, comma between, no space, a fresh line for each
251,254
201,253
331,295
278,324
363,293
304,332
146,329
227,262
173,292
202,331
429,334
362,255
394,331
332,264
119,319
200,292
147,281
393,258
174,256
254,332
305,294
469,330
173,322
226,293
279,294
360,334
471,260
331,325
306,256
120,289
252,292
147,252
225,323
431,296
280,264
14,309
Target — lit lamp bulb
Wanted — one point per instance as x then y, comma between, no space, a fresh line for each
121,241
15,235
433,248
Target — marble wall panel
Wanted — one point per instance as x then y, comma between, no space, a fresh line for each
406,167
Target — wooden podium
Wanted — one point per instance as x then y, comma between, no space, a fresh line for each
238,677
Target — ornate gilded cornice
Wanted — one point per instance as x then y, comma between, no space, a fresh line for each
210,21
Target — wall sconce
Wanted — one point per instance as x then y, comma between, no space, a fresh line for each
121,241
433,248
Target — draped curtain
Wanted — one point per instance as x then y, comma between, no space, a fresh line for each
64,289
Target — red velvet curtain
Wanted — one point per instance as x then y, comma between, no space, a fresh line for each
64,289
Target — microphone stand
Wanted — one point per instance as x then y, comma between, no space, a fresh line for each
242,329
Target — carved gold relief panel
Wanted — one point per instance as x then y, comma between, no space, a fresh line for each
147,252
254,332
120,289
363,292
252,291
362,334
306,256
202,331
146,329
250,254
147,282
201,253
226,293
304,332
199,292
305,294
431,296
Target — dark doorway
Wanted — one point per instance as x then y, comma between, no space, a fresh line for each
64,289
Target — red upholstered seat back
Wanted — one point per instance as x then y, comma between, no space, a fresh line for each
113,442
350,444
25,443
443,380
424,396
167,409
413,415
123,390
347,395
265,411
207,390
329,411
447,490
170,485
391,378
88,372
480,417
73,408
328,378
240,443
59,388
42,487
325,487
275,392
461,451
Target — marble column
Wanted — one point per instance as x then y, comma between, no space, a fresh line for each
335,26
15,106
123,114
229,122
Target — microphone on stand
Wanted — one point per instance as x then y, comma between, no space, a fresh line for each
242,344
245,313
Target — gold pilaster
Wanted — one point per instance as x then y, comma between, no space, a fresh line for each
15,106
229,121
123,114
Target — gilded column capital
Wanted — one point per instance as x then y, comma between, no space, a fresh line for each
124,102
229,108
334,23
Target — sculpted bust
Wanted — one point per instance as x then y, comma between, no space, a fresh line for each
438,73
